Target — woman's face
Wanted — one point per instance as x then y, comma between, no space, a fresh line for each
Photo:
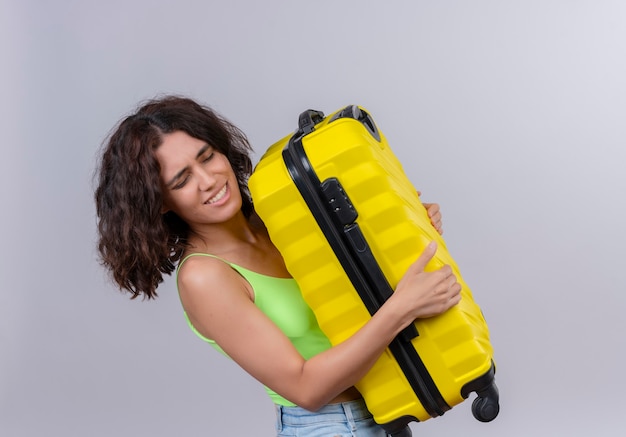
198,182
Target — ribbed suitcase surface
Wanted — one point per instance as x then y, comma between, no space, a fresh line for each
348,222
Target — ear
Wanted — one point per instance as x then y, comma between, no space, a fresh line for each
164,207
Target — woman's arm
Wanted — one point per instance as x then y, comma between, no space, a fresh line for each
225,312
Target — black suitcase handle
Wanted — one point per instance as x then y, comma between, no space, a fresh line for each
307,121
311,117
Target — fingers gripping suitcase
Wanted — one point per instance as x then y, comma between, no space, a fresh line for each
348,222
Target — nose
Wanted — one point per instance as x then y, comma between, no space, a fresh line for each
206,180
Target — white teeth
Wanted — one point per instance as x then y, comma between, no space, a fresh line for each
218,196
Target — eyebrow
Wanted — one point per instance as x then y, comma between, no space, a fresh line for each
178,175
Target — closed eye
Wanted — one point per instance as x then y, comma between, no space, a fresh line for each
205,154
181,183
208,157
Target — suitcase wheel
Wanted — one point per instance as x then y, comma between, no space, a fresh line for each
486,406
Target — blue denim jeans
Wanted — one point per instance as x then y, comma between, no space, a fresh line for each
346,419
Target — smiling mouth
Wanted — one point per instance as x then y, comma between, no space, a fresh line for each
219,196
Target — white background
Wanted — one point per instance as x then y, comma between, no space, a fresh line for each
510,114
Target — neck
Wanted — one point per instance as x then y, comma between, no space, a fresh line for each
227,236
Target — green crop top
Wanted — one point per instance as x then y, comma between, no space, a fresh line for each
280,300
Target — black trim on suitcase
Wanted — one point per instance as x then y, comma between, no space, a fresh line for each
340,209
356,258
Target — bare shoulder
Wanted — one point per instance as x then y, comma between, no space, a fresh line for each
203,276
214,296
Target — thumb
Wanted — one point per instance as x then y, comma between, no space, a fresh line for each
426,255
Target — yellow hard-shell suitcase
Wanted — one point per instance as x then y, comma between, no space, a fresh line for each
348,222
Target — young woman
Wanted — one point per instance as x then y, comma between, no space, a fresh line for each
172,192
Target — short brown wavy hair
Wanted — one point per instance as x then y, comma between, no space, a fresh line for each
137,243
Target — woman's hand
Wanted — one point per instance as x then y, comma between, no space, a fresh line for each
422,294
434,213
